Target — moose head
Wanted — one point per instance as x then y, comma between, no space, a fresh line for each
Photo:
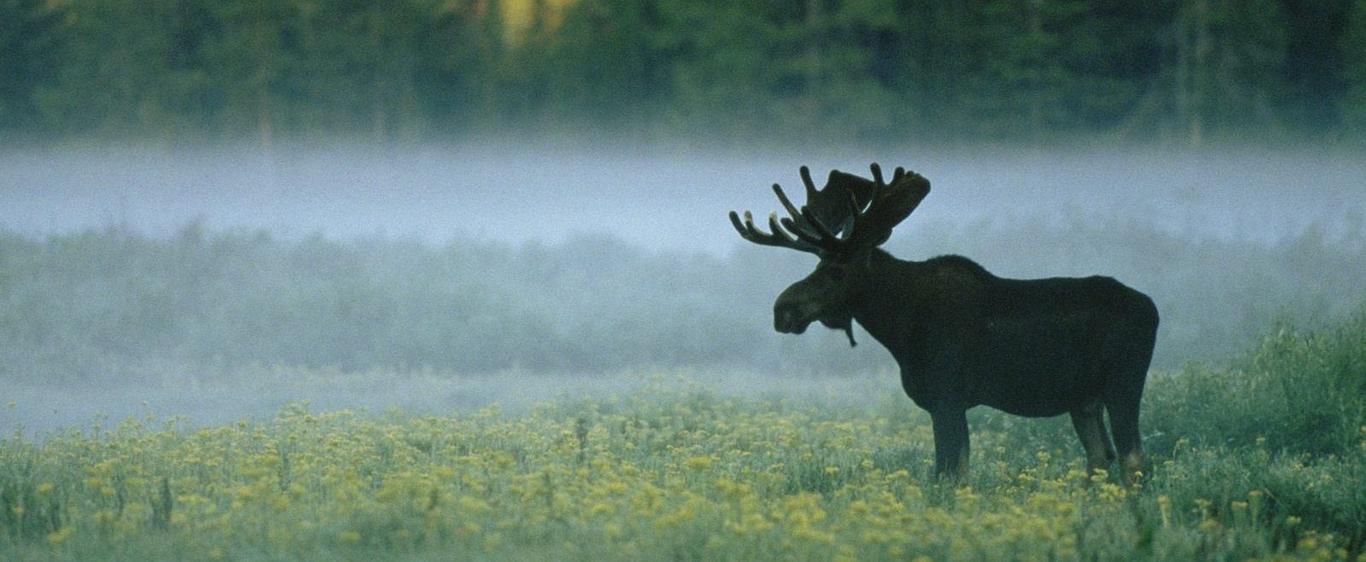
841,224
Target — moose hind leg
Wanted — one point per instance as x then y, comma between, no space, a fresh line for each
1090,426
1124,392
1122,404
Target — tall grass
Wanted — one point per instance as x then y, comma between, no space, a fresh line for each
1299,390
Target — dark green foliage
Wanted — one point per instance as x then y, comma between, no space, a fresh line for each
30,41
1324,493
28,512
1354,67
609,64
1317,54
872,71
1299,390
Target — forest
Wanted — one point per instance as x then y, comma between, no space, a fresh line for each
731,72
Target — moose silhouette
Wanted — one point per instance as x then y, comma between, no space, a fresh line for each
962,336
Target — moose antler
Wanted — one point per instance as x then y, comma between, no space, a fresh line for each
872,224
779,238
846,202
801,221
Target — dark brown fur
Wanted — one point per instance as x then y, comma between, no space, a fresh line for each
964,337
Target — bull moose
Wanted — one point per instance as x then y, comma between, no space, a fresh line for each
962,336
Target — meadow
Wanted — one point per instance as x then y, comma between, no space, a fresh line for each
481,400
1264,458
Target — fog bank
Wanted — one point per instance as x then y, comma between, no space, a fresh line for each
655,198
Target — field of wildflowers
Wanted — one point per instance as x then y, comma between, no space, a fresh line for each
1263,460
667,473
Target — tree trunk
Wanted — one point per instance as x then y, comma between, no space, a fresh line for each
1199,71
1036,62
380,111
813,49
265,127
265,124
1189,77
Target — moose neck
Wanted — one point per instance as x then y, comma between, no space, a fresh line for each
886,302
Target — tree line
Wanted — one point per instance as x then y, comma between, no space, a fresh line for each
1182,71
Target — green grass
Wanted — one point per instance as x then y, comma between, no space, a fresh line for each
1263,459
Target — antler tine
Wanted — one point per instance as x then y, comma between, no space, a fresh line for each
806,180
779,231
779,238
889,205
822,240
773,226
822,231
798,222
879,186
794,237
735,222
787,203
854,214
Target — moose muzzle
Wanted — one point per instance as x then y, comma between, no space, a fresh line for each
793,317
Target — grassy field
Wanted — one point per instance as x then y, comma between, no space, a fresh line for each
1263,459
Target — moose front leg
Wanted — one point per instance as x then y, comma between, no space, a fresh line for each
950,442
1090,426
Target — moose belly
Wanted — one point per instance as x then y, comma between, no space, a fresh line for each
1034,368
